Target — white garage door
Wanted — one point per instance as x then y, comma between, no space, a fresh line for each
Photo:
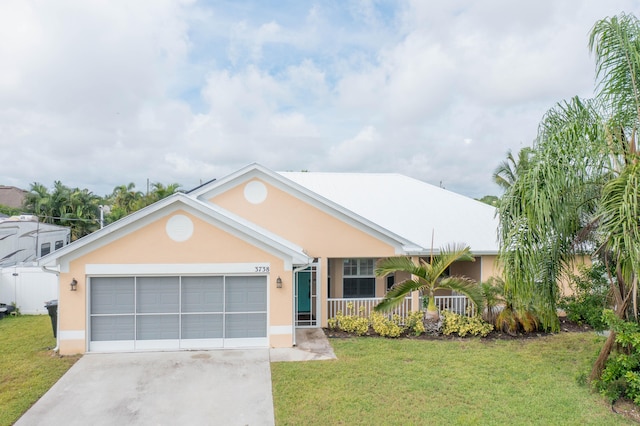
177,312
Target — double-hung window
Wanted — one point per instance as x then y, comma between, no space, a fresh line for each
358,278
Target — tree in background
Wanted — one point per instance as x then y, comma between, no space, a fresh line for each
125,199
508,171
79,209
72,207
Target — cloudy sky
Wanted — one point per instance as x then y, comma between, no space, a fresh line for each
100,93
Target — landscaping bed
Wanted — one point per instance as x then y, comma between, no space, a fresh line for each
566,326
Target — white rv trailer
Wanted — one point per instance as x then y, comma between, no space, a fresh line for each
23,239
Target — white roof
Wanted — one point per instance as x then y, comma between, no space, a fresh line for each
408,207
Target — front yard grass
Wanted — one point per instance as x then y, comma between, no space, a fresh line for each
28,366
465,381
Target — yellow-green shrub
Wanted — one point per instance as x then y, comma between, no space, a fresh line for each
350,323
463,325
414,322
384,326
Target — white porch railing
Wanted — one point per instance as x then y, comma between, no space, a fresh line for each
364,306
460,305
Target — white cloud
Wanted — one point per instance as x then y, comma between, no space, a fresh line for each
102,93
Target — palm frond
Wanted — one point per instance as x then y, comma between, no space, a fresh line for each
391,265
466,286
616,44
447,256
397,294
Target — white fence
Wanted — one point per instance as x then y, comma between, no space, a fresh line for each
460,305
28,287
363,307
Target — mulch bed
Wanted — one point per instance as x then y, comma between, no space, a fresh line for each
566,326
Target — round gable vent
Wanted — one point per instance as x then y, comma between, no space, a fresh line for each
179,228
255,192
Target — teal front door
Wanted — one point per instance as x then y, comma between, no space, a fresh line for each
304,292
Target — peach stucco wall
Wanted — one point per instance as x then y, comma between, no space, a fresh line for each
319,233
151,245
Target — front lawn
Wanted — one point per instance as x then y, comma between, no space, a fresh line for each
465,381
28,366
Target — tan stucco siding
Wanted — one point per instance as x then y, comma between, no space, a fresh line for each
564,282
319,233
151,245
471,270
490,267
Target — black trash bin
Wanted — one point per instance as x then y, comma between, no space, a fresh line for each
52,307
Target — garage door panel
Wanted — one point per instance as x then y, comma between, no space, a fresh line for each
158,294
202,326
245,325
116,327
202,294
157,327
112,295
246,294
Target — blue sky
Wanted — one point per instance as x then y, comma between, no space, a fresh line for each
101,93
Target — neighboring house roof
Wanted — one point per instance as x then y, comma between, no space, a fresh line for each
11,196
408,207
223,219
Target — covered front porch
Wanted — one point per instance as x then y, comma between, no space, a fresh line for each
349,285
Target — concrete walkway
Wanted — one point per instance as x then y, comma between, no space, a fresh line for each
219,387
311,345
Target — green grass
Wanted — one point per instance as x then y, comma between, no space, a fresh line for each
466,382
28,366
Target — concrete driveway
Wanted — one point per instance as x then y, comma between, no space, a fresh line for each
226,387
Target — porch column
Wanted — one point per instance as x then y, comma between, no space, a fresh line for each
415,295
323,291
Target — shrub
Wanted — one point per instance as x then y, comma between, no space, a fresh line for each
384,326
414,322
464,325
350,322
512,320
621,375
591,296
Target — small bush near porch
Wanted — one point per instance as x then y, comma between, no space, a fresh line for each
462,381
28,366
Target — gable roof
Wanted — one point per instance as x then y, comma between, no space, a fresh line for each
218,186
409,207
223,219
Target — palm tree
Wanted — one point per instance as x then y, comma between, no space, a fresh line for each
507,172
159,191
38,200
427,277
582,185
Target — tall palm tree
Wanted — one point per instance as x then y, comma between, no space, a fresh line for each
427,277
582,184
